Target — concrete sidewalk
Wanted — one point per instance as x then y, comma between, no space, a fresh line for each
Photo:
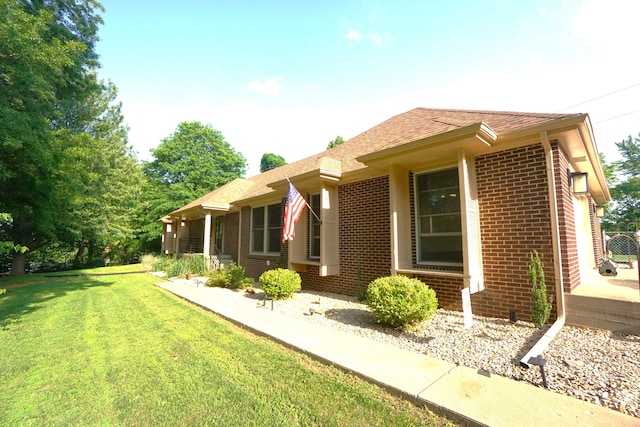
461,393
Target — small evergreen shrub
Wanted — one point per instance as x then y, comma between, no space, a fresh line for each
400,301
230,278
542,303
280,283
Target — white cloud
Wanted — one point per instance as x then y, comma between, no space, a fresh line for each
270,87
375,38
353,35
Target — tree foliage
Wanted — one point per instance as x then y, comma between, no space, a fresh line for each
624,181
271,161
337,141
192,161
67,174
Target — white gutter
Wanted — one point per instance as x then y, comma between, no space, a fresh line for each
544,341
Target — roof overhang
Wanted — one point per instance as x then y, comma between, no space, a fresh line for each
328,170
196,212
475,139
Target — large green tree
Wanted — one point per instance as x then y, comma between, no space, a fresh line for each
194,160
271,161
47,67
625,186
100,179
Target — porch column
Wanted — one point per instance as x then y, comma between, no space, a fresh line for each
207,236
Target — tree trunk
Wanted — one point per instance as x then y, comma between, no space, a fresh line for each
18,263
79,260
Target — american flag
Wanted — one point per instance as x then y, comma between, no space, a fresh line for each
292,210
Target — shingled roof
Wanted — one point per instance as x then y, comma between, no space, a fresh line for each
413,125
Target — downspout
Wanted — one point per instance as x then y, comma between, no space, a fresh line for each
544,341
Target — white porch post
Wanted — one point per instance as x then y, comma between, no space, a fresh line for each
207,236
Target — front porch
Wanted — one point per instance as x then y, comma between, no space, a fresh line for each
611,303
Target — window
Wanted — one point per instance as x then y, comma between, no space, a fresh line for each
314,227
439,223
218,233
266,229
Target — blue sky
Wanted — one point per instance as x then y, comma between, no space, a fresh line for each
286,77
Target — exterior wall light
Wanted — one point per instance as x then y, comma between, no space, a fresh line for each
579,182
600,211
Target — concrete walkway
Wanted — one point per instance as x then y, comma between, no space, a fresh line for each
461,393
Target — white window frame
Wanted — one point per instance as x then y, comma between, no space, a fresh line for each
265,229
418,232
315,201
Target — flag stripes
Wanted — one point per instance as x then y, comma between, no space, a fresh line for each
292,210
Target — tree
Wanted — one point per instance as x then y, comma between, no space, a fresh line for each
7,247
47,67
335,142
191,162
271,161
624,181
101,178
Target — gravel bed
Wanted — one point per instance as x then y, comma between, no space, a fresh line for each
593,365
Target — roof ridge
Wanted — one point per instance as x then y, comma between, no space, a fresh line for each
501,112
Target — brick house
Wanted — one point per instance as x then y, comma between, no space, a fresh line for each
454,198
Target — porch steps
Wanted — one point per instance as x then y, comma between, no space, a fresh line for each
602,313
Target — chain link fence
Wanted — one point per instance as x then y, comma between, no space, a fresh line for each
622,245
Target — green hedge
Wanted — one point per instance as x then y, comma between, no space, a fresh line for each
400,301
230,278
280,283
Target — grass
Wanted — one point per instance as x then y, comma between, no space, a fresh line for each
100,349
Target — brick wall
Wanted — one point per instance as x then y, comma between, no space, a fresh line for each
230,226
514,220
566,221
364,241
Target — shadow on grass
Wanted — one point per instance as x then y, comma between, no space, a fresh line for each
28,294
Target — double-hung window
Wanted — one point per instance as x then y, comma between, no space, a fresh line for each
314,227
439,222
266,229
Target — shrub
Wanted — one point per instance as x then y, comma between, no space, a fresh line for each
187,265
400,301
148,261
542,303
162,263
230,278
280,283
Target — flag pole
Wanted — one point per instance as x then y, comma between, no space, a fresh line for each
305,202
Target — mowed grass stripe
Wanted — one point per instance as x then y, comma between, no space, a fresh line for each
115,350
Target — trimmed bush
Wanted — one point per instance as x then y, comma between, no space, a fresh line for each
230,278
400,301
280,283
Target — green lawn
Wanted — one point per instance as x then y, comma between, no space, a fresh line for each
116,350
